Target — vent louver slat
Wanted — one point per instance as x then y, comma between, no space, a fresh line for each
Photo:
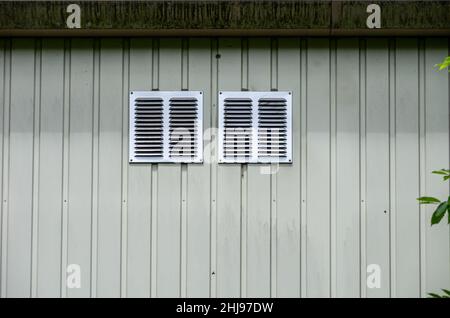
166,126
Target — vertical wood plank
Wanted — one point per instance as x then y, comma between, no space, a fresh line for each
20,168
347,168
422,168
258,183
154,186
274,168
36,155
184,180
169,186
109,169
303,166
212,153
407,169
2,134
139,185
80,163
377,143
229,186
392,171
65,169
363,165
333,168
95,167
244,181
124,162
50,169
288,178
198,177
436,157
318,168
4,122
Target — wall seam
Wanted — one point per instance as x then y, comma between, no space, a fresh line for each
304,167
244,180
5,177
299,208
184,181
392,167
124,176
35,173
154,184
213,204
65,175
422,166
2,111
448,98
362,167
333,175
95,165
273,181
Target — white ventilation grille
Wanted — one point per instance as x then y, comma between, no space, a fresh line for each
255,127
166,127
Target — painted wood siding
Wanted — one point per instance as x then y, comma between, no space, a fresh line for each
370,122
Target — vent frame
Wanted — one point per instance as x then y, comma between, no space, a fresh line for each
255,97
167,106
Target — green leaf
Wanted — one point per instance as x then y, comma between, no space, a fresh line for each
439,213
446,291
440,172
444,64
428,200
440,66
446,178
433,295
448,214
448,209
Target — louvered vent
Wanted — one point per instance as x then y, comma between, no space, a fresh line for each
166,126
255,127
